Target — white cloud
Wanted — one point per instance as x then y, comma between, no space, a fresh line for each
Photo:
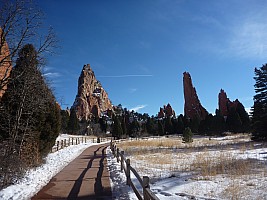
137,108
249,39
51,74
132,90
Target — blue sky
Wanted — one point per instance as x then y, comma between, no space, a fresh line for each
139,49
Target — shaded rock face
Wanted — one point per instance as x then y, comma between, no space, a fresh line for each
166,111
192,105
5,63
92,100
225,105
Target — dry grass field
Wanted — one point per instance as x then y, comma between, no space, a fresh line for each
234,160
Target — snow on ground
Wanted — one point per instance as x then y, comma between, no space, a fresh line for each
36,178
236,169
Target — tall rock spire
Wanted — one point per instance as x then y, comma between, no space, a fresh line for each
192,105
91,100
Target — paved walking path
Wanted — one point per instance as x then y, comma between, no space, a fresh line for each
86,177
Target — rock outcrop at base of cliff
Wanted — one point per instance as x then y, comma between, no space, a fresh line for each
5,64
91,100
192,105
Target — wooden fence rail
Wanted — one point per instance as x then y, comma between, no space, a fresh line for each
60,144
146,193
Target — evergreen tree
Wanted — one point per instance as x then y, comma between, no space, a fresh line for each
134,128
117,129
103,124
194,124
29,117
151,126
187,135
161,127
123,125
73,124
180,124
243,117
259,112
233,121
64,120
168,126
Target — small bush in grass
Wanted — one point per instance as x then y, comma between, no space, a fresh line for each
187,135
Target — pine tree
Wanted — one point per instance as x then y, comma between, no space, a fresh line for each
259,112
29,116
187,135
117,129
180,124
64,120
233,121
73,125
168,125
161,127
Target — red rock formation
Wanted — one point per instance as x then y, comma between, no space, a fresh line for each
225,105
223,101
166,111
192,106
91,99
5,64
161,113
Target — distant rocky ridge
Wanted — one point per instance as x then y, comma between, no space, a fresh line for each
5,63
192,105
91,100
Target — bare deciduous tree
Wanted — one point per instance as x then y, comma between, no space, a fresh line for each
20,24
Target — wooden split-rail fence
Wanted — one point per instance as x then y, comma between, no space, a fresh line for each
60,144
146,194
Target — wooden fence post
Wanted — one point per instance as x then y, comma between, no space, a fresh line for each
118,155
85,140
57,145
65,142
122,160
82,139
62,144
115,151
71,141
76,141
145,185
128,174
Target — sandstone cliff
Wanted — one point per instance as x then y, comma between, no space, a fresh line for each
5,63
192,105
91,100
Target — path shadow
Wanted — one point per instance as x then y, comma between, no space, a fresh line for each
77,185
98,188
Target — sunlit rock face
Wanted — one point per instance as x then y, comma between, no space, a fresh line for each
91,100
192,105
5,63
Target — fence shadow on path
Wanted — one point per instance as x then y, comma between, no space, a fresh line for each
99,191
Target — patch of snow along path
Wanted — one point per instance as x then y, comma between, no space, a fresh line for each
36,178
